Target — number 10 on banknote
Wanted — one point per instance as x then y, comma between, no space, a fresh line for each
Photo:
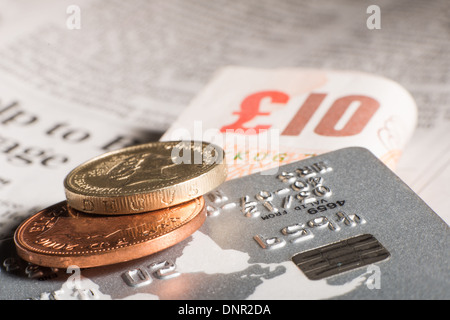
267,118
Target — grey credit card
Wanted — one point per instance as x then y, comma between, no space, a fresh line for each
337,226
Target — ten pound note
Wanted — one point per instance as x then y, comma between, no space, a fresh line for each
267,118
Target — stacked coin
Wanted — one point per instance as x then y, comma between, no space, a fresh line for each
125,205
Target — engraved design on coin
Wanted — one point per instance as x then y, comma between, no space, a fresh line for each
77,238
145,177
127,167
144,168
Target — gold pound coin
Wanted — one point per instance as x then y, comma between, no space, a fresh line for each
145,177
60,236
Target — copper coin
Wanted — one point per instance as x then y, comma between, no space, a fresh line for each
60,236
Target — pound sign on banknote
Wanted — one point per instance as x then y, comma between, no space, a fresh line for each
250,108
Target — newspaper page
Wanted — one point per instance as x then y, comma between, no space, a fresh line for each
82,77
